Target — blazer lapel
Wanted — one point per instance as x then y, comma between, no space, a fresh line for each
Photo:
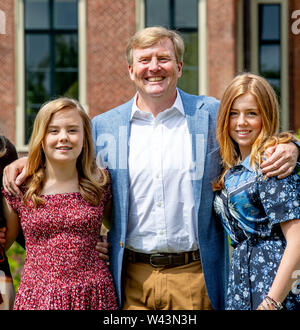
198,126
123,135
122,173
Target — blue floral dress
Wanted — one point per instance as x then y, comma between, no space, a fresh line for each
251,209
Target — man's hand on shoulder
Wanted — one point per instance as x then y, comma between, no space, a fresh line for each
281,160
14,175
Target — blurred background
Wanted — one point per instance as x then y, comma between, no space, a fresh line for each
76,48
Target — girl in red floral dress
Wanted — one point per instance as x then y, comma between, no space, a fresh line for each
61,212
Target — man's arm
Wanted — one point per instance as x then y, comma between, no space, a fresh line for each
281,160
14,175
102,245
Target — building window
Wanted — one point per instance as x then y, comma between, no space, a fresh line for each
182,16
51,54
269,44
267,54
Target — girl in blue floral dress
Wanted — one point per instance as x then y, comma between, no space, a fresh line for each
260,214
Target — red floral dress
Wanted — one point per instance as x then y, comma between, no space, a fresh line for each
63,270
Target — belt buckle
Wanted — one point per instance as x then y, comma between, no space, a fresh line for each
155,255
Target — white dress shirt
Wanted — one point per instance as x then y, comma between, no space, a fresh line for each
161,206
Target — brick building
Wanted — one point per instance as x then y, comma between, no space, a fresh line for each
76,48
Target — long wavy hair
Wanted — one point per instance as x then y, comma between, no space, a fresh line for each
269,110
2,146
89,187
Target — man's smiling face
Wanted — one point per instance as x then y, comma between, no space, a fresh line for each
155,70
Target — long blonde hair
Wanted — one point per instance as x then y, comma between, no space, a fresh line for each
269,110
90,189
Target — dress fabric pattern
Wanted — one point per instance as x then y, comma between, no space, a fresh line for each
251,209
62,269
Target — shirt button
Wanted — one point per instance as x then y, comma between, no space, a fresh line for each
158,204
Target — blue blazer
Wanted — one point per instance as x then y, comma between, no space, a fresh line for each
111,131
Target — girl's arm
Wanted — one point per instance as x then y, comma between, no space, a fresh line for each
290,263
12,223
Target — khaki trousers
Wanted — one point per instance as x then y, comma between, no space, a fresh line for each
176,288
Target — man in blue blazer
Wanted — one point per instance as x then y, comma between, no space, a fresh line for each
168,251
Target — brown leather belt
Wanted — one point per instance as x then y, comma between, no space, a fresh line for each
162,259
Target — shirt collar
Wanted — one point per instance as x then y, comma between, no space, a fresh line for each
178,105
246,163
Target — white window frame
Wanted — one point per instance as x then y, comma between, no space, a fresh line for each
240,37
2,22
202,39
20,67
284,114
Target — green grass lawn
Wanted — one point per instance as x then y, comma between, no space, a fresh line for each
16,258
